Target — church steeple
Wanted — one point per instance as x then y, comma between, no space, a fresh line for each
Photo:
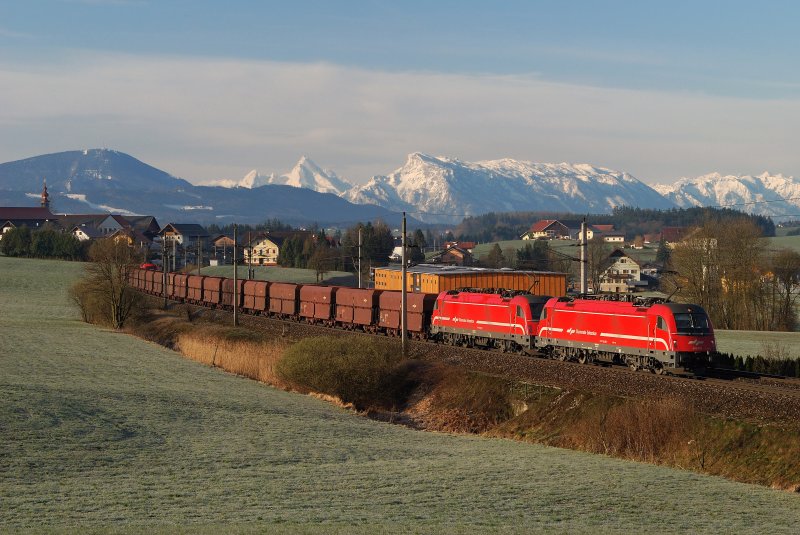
45,196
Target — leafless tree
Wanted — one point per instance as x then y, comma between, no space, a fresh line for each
105,291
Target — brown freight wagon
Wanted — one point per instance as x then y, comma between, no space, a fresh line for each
419,308
357,307
177,285
194,288
148,281
212,291
256,295
284,298
316,303
158,282
133,278
228,293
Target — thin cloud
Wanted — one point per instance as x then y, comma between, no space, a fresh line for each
205,119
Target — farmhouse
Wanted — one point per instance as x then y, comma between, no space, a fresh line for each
454,256
623,275
547,229
263,250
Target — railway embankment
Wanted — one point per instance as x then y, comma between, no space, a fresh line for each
744,434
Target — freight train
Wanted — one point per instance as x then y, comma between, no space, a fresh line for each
645,334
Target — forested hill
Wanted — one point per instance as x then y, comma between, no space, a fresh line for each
631,221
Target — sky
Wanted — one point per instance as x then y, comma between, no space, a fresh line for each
210,90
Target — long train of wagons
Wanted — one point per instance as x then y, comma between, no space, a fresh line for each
650,334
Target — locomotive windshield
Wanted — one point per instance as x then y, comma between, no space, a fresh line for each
692,323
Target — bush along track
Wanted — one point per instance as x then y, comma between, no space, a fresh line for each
368,375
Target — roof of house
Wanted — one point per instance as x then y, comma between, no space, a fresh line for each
137,236
89,230
70,221
544,224
187,229
24,213
602,228
619,253
142,223
673,234
459,244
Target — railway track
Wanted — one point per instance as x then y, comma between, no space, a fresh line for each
771,401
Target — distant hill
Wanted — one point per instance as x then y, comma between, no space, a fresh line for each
100,180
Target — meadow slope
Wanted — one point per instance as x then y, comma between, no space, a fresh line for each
102,430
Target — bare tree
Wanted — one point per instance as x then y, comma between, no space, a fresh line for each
597,260
105,288
786,283
721,268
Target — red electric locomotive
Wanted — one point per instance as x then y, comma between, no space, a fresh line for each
507,320
651,335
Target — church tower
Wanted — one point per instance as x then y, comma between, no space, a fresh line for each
45,196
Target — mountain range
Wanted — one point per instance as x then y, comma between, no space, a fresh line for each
765,194
431,189
101,180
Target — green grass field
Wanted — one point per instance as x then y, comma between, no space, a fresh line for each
784,242
754,343
105,432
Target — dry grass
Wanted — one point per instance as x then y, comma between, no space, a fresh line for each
650,431
255,359
454,400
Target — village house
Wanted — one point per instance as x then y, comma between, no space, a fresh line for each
86,233
547,229
263,250
623,275
455,256
222,247
465,245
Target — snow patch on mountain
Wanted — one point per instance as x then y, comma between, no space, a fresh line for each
442,189
97,207
740,192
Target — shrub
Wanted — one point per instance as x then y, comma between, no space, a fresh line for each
364,371
470,402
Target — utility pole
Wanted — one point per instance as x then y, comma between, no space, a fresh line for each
249,256
199,255
164,265
404,295
235,277
174,253
584,281
359,257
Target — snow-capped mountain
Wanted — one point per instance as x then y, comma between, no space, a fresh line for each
737,192
305,174
440,189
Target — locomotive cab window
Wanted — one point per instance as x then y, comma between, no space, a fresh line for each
692,323
519,312
661,323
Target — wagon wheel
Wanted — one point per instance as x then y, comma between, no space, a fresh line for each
583,358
